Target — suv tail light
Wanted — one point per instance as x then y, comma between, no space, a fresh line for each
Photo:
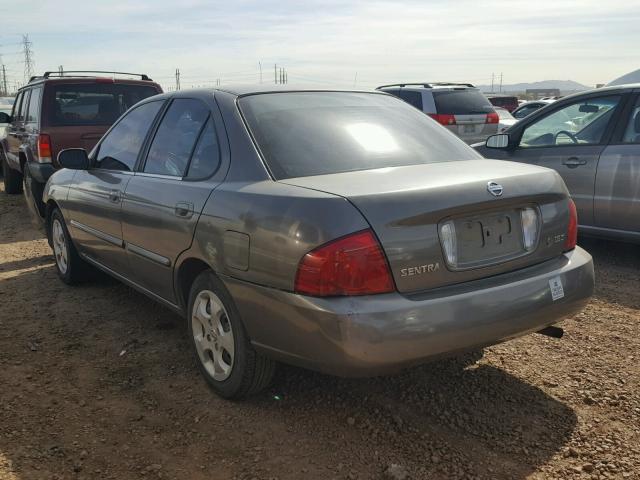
572,230
44,148
351,265
444,119
493,118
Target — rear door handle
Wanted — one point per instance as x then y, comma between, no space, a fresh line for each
114,196
184,209
574,162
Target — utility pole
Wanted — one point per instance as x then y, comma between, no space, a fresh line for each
500,82
492,78
28,58
177,79
275,73
5,91
355,80
60,70
260,67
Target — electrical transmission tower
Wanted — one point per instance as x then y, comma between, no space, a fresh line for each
177,79
28,58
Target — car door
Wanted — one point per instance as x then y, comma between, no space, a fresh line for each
95,201
617,188
570,139
15,130
164,199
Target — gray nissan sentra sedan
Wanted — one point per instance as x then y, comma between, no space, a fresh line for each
345,232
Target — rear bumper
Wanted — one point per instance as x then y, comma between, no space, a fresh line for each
373,335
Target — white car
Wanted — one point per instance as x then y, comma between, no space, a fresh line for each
506,119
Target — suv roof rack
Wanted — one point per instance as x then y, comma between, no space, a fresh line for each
64,73
427,84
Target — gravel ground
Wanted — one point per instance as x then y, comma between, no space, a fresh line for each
97,381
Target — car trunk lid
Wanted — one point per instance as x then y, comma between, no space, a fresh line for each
407,206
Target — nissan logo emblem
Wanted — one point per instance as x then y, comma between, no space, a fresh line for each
494,189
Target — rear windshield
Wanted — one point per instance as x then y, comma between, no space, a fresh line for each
502,101
314,133
461,102
94,103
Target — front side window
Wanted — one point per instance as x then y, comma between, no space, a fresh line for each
33,112
580,123
94,103
632,132
314,133
119,149
21,106
176,137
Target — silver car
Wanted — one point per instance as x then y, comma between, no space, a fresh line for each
459,107
340,231
593,140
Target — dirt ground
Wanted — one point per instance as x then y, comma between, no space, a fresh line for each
97,381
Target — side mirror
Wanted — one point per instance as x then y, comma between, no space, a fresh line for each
498,141
5,117
74,159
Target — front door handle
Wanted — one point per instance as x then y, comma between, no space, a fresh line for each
114,196
573,162
184,209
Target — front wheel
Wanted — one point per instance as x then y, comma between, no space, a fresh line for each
70,266
226,359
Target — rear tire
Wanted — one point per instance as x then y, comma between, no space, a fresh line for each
12,179
70,266
225,357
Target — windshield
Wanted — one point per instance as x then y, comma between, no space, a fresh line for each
461,102
315,133
94,103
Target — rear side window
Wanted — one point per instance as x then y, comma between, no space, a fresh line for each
176,137
412,98
461,102
206,157
632,132
33,112
94,103
315,133
119,149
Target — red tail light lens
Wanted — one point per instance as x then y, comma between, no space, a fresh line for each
493,118
444,119
44,148
352,265
572,231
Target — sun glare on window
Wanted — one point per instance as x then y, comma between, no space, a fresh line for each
373,138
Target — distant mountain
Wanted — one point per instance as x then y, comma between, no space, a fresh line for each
565,86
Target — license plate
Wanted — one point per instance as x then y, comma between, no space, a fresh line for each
469,129
557,292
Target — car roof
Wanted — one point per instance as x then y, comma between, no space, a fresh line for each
249,89
431,86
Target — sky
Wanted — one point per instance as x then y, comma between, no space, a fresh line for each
328,42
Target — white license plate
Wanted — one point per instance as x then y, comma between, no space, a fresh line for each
557,292
469,129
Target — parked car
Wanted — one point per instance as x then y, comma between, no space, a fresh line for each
508,102
340,231
5,112
459,107
527,108
53,112
506,119
593,140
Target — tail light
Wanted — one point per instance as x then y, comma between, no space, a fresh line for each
351,265
572,230
493,118
444,119
44,148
